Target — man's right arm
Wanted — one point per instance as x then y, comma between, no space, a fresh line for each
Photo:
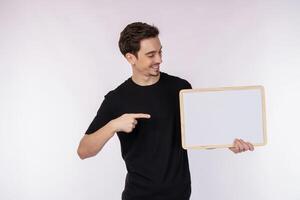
91,144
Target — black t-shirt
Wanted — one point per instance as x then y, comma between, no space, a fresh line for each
156,163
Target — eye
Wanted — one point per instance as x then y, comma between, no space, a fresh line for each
151,56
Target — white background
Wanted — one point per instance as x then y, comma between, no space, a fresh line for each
59,58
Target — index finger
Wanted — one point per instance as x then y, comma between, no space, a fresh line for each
141,115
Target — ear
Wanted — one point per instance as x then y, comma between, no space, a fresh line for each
131,58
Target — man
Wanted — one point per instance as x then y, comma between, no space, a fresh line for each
144,112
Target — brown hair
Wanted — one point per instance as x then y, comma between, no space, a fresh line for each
132,34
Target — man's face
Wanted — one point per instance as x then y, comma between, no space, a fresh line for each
149,58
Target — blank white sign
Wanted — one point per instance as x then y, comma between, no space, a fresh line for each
214,117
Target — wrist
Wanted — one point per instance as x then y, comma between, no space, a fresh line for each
113,127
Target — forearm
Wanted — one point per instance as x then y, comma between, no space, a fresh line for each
90,145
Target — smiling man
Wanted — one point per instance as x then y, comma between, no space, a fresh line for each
144,113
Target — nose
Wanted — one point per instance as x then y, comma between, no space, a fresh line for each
158,59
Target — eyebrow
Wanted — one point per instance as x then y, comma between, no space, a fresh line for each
150,52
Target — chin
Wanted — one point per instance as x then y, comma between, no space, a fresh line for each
156,73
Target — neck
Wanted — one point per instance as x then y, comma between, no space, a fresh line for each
143,80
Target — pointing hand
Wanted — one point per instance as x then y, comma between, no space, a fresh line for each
127,122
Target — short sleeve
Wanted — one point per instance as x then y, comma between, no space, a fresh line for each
104,115
187,85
